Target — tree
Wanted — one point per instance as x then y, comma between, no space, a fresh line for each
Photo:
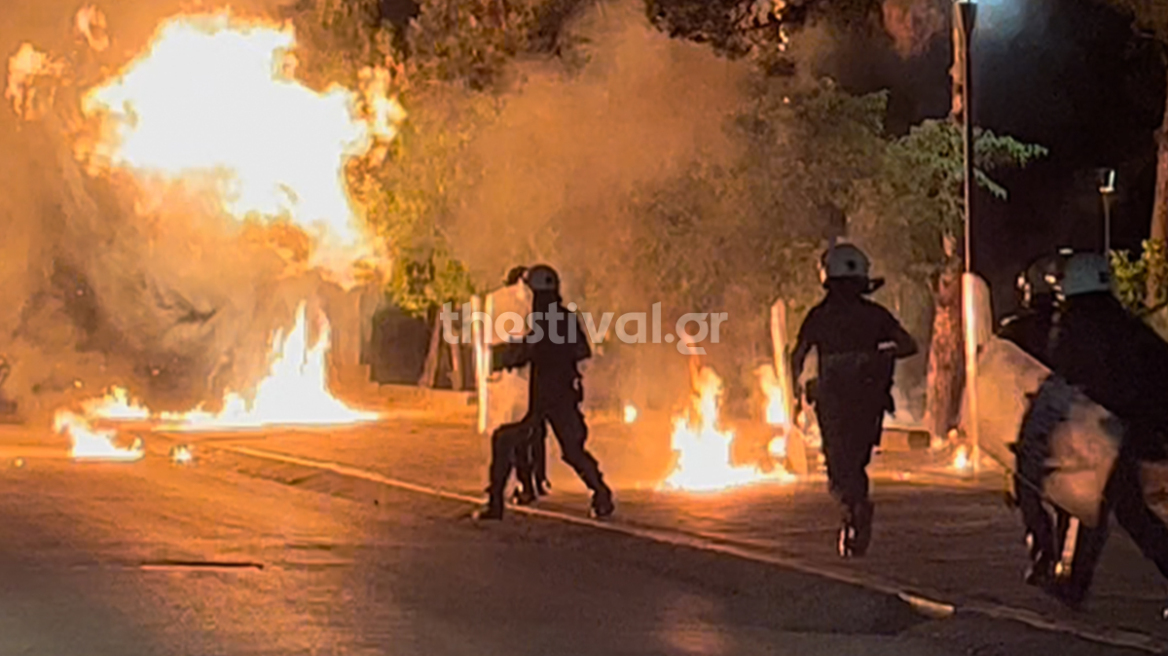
916,210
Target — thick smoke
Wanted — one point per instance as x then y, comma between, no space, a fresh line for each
99,286
576,158
571,151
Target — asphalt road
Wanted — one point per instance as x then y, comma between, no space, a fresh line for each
242,557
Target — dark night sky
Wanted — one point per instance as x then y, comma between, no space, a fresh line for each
1067,74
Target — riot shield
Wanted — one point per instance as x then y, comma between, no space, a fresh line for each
503,394
1083,446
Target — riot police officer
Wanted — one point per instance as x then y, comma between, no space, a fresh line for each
1118,362
554,350
858,342
1031,329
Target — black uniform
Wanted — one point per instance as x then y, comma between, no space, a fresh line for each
554,397
1118,362
858,342
531,466
1031,330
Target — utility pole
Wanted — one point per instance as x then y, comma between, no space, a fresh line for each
966,17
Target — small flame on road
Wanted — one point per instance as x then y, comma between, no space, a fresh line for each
630,413
181,455
703,448
93,444
961,461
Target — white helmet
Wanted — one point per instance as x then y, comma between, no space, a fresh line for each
1086,273
844,261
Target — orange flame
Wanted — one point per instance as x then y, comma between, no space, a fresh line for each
630,413
213,104
776,397
117,405
90,443
294,393
703,449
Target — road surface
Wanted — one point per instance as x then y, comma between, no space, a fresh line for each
238,555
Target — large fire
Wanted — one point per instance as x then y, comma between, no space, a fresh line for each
703,447
213,105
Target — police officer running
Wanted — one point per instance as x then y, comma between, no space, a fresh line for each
1118,362
1031,330
858,342
554,350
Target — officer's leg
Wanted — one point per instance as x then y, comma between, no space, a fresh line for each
1147,530
539,458
571,432
525,463
867,430
1089,544
846,478
504,443
1031,454
833,439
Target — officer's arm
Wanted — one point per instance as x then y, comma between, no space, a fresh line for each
806,340
509,356
580,347
898,341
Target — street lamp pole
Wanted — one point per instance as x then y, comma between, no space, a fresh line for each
1107,191
967,18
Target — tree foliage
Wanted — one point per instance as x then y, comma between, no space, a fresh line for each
917,200
1134,277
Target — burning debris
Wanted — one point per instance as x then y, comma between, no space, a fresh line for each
181,455
295,392
703,447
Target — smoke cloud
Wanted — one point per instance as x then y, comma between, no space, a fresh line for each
101,284
572,151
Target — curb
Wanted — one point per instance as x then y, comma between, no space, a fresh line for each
926,603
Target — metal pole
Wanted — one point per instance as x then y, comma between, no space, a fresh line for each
1107,225
967,12
1106,190
967,15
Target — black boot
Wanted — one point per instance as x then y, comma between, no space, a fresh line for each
602,504
524,496
494,507
1043,565
855,532
862,518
